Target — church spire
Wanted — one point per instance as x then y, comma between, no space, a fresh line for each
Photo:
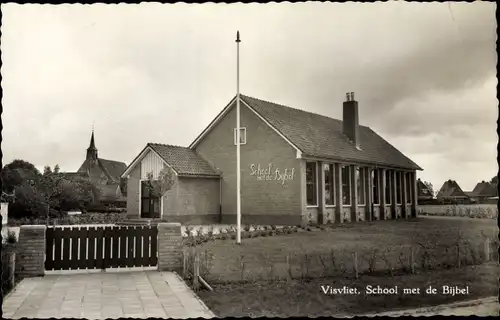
92,150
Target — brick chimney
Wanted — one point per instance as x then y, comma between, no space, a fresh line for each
351,119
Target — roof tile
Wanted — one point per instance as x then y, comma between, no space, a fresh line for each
320,136
184,161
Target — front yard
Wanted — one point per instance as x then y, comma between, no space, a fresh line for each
306,298
282,275
379,246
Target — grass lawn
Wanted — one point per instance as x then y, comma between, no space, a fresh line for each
297,298
264,255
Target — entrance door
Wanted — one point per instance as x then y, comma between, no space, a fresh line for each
150,205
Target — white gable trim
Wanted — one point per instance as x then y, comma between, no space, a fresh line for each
212,124
226,110
140,158
272,127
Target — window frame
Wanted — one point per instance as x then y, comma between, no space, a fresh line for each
243,136
361,185
331,170
375,176
315,185
388,187
408,188
348,183
399,189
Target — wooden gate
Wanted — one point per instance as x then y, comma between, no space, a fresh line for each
77,247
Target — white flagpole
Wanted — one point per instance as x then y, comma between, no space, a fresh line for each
238,165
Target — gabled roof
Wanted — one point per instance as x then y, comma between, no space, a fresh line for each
184,161
317,136
484,189
451,189
422,190
111,169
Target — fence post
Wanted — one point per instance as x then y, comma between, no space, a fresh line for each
196,272
412,261
355,259
31,251
487,249
288,268
169,247
242,268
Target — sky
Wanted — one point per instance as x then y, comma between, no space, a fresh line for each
424,75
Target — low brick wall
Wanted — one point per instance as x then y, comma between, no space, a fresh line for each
30,257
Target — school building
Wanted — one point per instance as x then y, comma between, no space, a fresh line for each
296,167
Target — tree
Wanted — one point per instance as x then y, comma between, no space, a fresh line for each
56,168
47,170
17,172
159,187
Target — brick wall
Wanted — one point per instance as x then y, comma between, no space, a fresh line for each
30,256
262,201
169,247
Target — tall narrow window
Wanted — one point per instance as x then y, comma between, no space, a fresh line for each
388,185
399,188
243,136
360,181
346,185
408,188
329,184
311,184
375,184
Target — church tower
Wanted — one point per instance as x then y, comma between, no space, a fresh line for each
92,150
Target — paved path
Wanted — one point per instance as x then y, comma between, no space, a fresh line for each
105,295
481,307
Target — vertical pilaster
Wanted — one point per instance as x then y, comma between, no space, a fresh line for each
354,194
338,193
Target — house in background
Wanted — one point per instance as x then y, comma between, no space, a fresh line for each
103,174
451,192
484,192
423,192
296,167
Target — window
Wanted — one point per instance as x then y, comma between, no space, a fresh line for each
388,184
375,184
311,184
399,188
346,185
408,187
360,182
243,136
329,184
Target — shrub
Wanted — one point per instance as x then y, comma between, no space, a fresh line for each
11,237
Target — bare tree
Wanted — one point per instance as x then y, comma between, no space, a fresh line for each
159,187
